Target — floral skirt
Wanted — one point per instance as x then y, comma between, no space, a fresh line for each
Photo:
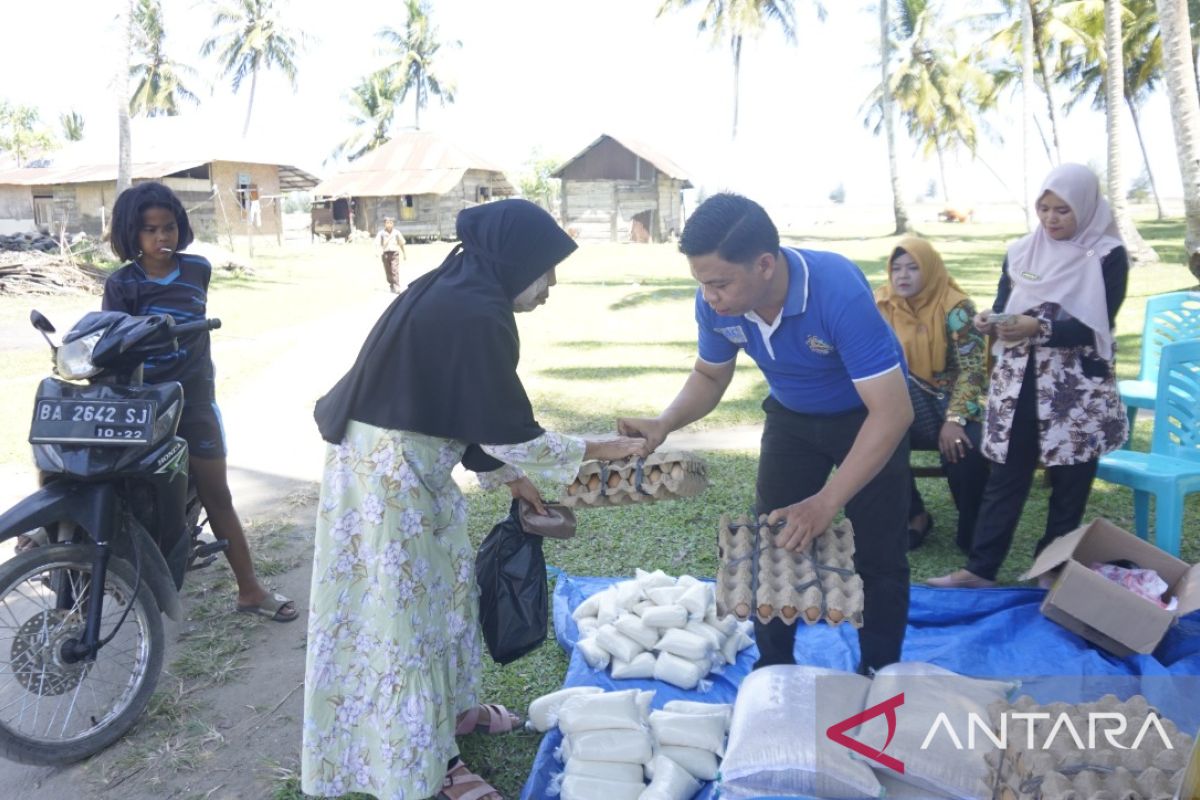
393,634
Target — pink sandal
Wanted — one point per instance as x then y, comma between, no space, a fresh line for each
488,718
462,784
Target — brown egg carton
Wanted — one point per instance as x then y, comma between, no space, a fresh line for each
1064,771
760,579
662,476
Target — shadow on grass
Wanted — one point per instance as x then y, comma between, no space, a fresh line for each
609,373
666,294
596,344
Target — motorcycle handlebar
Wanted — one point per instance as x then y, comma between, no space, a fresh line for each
192,327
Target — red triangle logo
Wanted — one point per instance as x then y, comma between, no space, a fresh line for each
837,732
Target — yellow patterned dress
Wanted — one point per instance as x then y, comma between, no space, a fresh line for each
394,647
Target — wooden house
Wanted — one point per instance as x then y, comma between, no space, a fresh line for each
225,187
622,190
419,178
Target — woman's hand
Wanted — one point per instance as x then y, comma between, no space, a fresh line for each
523,489
953,442
1018,328
983,322
616,448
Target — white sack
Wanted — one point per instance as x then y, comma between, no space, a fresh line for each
579,787
705,731
684,644
670,781
589,712
617,643
642,667
543,712
595,655
633,627
672,616
633,747
670,668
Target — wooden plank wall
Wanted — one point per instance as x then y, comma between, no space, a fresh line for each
602,210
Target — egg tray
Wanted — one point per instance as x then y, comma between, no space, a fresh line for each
1063,771
759,579
660,476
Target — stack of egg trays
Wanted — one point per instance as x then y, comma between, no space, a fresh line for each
1055,767
760,579
660,476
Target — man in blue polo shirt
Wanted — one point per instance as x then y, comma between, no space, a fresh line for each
838,399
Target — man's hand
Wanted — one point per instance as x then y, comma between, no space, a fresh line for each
653,430
523,489
802,522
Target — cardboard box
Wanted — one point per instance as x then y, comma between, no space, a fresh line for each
1101,611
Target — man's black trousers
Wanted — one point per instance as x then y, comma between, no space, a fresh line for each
799,451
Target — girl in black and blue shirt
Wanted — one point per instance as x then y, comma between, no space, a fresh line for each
149,229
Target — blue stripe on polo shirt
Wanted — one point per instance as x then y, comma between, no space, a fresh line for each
831,334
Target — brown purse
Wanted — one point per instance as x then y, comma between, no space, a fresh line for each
557,523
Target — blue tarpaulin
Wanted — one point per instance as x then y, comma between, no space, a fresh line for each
996,633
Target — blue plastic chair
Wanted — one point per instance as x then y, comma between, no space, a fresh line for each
1172,317
1171,470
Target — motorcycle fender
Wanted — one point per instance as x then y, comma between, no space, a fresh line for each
88,505
155,572
91,506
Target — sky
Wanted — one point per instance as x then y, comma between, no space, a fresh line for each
547,77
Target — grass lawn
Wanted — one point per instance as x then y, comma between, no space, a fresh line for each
617,339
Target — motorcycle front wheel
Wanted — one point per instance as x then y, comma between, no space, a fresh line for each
53,712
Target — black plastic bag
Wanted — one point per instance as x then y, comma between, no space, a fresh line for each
514,609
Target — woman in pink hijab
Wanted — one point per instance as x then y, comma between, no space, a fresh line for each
1053,394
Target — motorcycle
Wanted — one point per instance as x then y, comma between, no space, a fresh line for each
81,631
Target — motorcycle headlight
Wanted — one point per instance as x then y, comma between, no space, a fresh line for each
73,360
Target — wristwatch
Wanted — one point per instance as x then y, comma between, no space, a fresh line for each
959,420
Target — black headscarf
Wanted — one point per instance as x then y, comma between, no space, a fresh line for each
442,360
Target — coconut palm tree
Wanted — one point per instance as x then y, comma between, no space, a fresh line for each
124,139
159,80
372,106
899,210
1007,46
413,66
940,93
72,125
731,22
1180,67
250,37
1084,67
1114,95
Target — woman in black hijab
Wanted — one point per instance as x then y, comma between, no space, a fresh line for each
394,656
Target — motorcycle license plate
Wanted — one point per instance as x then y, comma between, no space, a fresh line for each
116,422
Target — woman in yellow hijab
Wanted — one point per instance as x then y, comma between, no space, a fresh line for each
946,359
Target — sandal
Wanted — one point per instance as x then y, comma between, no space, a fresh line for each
274,607
462,784
498,720
28,541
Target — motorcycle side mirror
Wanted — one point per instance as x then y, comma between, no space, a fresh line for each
40,322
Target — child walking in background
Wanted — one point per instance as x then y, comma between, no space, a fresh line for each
392,242
149,229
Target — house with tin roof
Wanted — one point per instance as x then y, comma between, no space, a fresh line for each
419,178
227,187
622,190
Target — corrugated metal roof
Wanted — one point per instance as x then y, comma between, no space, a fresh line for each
642,151
389,183
45,176
414,162
290,178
